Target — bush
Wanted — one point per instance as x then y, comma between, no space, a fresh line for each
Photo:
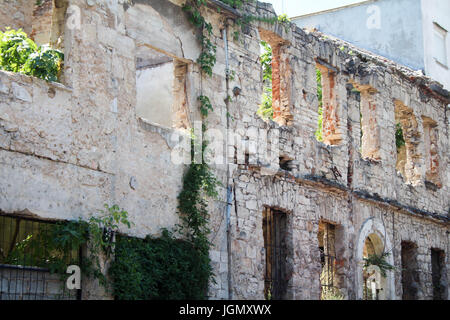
162,268
20,54
15,49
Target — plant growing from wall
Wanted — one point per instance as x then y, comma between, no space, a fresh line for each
399,138
379,260
318,132
283,19
199,183
332,293
55,245
20,54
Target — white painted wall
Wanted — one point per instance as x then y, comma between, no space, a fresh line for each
436,11
390,28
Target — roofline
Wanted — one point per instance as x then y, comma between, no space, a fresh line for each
334,9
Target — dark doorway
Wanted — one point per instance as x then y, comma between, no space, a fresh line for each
439,274
275,244
410,274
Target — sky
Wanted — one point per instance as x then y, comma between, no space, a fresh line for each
300,7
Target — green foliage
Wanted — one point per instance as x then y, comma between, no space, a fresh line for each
283,18
207,58
332,293
237,4
198,183
15,49
158,268
45,63
195,17
165,267
56,246
266,62
18,53
399,138
318,132
380,262
205,105
265,110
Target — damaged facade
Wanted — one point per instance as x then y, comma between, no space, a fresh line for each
295,216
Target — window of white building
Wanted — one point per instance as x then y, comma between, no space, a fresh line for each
439,45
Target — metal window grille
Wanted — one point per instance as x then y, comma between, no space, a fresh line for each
24,272
328,260
274,230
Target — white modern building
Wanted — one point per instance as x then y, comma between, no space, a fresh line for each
411,32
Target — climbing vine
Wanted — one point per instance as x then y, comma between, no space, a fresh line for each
199,182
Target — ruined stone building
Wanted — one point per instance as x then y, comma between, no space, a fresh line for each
295,216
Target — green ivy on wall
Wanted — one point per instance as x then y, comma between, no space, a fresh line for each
151,268
161,268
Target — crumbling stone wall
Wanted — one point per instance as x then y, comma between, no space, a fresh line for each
16,14
71,148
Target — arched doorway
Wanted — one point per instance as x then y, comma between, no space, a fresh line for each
374,283
371,284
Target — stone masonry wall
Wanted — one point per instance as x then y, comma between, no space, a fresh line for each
66,149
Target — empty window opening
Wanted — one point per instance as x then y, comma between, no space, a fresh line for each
276,248
48,23
431,151
439,274
25,262
275,103
410,272
318,132
400,148
407,139
439,44
370,130
161,89
329,131
265,110
328,277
